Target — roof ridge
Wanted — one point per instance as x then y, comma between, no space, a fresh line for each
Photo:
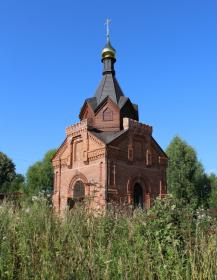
102,88
118,88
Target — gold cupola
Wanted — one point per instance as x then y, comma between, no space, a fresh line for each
108,51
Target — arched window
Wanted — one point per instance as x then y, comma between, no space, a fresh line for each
79,191
108,115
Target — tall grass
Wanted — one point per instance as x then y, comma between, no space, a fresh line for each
168,242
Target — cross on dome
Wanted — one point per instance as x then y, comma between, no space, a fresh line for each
108,51
107,23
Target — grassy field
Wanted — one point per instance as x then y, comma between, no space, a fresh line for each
168,242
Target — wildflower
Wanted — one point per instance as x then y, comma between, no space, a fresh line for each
34,198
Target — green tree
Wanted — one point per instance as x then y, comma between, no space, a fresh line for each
40,175
185,174
9,180
7,169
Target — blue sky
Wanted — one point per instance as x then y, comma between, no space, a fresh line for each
50,62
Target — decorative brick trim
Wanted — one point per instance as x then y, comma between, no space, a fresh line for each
94,155
78,128
96,140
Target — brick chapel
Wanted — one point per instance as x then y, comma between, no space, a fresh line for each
109,155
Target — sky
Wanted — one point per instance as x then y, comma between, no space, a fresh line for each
50,61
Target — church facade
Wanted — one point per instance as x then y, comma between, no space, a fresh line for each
109,155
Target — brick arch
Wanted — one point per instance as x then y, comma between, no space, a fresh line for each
142,180
78,177
144,183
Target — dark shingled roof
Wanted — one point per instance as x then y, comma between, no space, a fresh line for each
108,87
107,136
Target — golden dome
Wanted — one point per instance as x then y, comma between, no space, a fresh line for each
108,51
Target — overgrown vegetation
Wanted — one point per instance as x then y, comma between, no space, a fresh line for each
168,242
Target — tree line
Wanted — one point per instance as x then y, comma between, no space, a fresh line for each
39,176
186,177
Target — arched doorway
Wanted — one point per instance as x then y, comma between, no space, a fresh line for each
138,196
78,194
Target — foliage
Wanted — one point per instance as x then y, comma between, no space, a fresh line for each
17,184
185,174
213,196
9,180
167,242
40,175
7,169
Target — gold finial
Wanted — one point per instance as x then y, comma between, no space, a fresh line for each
108,51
